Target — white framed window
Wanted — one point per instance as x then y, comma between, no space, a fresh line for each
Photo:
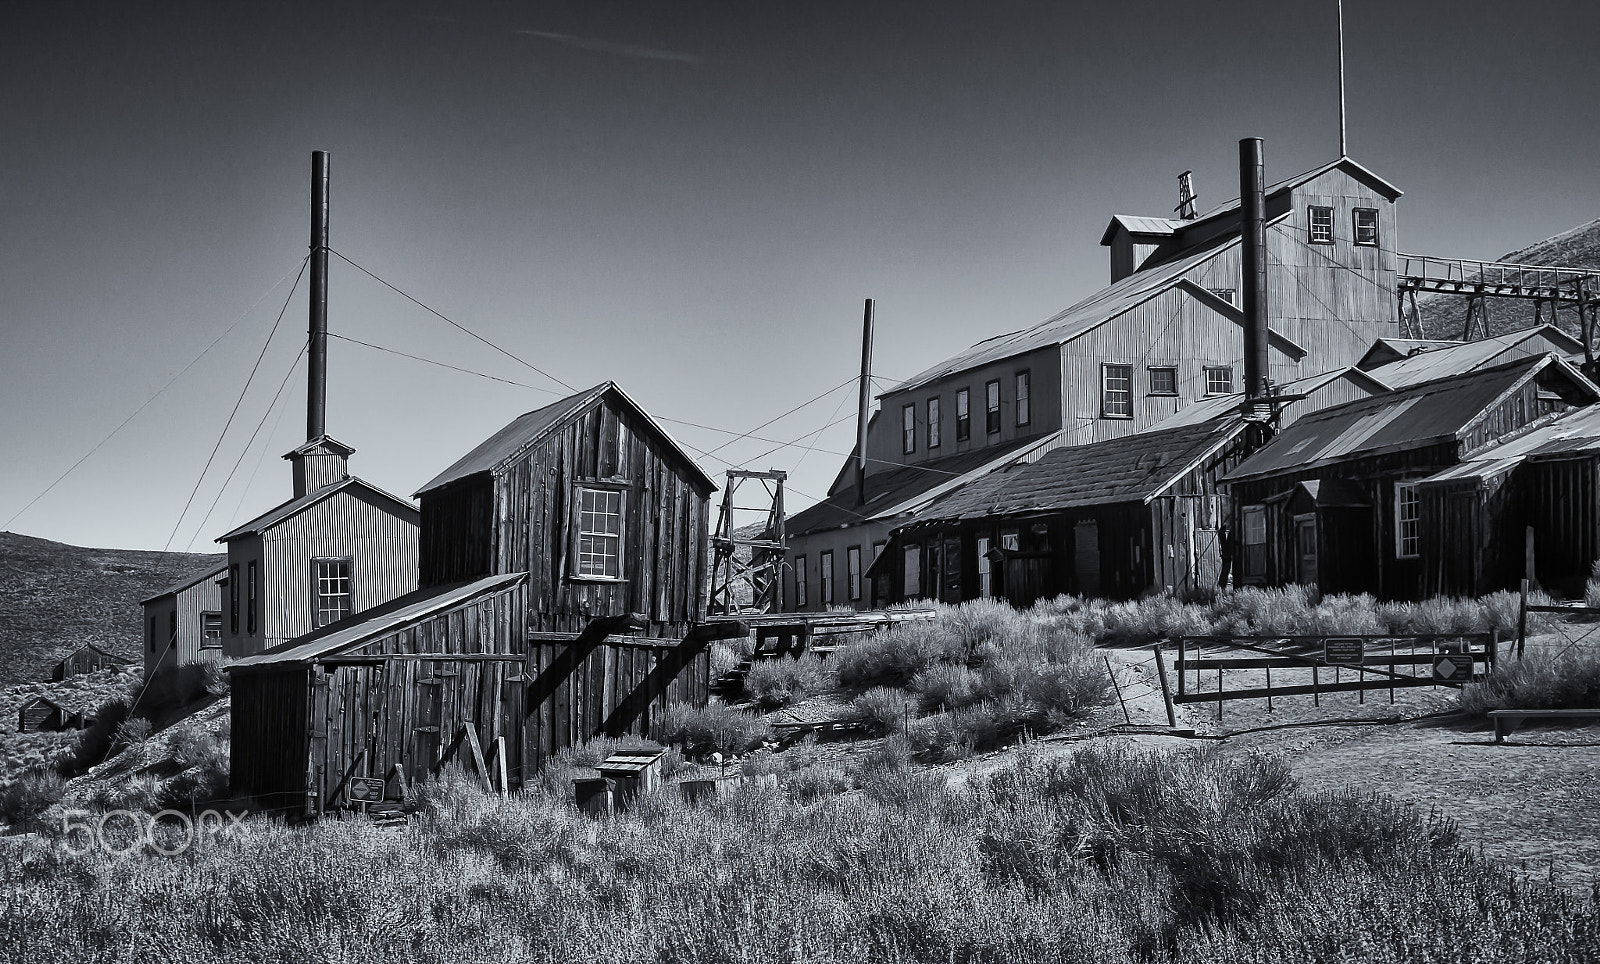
1024,406
800,582
1319,225
1255,540
852,567
825,563
331,589
908,429
1226,294
1163,380
1366,226
1009,540
933,422
1116,391
1219,380
598,546
985,576
913,571
210,630
963,415
1407,520
991,406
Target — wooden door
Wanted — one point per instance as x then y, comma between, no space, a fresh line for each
1305,540
1086,556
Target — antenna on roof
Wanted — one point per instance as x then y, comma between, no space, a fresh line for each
1342,151
1186,196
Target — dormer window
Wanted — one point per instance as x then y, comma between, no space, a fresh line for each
1366,226
1320,228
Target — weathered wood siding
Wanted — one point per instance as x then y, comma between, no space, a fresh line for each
457,537
85,659
1561,502
269,737
349,523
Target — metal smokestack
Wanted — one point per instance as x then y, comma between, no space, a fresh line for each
1253,230
317,350
865,409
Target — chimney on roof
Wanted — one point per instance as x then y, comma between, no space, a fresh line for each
317,343
319,463
1253,231
1186,196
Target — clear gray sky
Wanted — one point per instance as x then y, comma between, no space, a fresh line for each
690,199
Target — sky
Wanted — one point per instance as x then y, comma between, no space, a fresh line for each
689,199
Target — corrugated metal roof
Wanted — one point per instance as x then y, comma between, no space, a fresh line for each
183,584
1135,224
1222,406
1361,171
1573,433
888,493
524,430
1406,418
352,631
1133,468
1385,350
294,507
1458,357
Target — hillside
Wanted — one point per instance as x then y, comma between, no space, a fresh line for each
55,597
1443,316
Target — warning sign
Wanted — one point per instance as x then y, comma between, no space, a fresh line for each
364,790
1452,667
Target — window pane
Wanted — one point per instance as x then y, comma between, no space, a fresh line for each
1117,391
1321,225
853,566
908,429
1219,381
913,581
1407,518
1163,381
599,547
332,577
1024,411
1366,222
933,423
963,416
800,580
991,420
985,577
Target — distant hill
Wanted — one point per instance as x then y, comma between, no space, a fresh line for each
55,597
1444,316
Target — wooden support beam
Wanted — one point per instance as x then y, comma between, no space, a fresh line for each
667,668
564,665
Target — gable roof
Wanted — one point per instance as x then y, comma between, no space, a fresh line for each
1571,433
103,652
321,445
294,507
1349,165
1137,225
1454,358
1096,310
1424,414
1134,468
183,584
352,631
1222,406
1385,350
892,492
524,431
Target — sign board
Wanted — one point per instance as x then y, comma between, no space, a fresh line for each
1344,649
364,790
1452,667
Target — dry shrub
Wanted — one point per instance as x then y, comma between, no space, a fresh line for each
724,660
1567,680
885,709
715,727
893,656
813,782
26,798
772,683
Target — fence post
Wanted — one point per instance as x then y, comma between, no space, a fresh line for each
1522,620
1166,687
1316,686
1269,687
1183,661
1117,686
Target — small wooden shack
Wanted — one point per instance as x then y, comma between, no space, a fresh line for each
562,571
44,715
87,658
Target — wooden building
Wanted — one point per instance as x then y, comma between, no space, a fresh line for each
341,545
562,595
1426,361
44,715
1334,500
183,623
1165,335
1116,519
86,659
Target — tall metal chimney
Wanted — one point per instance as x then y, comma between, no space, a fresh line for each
316,400
864,412
1253,230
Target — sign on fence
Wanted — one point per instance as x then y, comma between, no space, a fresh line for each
1453,664
1344,649
364,790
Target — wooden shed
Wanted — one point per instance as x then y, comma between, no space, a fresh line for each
562,596
87,658
44,715
1113,519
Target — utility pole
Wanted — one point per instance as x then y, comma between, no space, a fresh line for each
865,409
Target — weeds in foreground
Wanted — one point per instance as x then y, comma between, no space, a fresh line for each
1539,681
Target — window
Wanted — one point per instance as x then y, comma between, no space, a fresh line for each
913,572
908,429
852,568
825,561
1366,226
963,415
1407,517
233,600
933,423
1226,294
800,582
1024,408
210,630
1255,540
330,590
1219,380
252,594
1321,225
1008,540
985,577
1116,391
599,547
991,401
1164,381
